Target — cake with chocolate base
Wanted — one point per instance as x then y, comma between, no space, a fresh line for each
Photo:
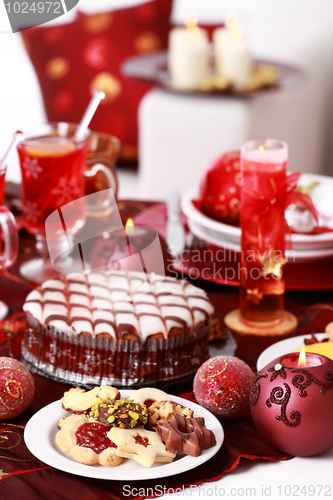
116,327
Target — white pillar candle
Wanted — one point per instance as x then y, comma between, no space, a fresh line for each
233,59
188,57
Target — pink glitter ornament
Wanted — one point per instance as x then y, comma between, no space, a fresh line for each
222,385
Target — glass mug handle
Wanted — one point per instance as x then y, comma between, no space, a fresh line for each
8,238
101,165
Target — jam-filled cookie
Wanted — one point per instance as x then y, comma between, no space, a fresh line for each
87,441
146,447
149,395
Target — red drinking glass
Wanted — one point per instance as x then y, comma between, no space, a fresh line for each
54,167
8,238
62,164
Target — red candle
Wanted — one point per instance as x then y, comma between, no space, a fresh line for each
301,360
129,229
264,171
292,404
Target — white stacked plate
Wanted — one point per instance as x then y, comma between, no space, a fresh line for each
305,247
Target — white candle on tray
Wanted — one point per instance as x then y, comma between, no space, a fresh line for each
233,57
188,55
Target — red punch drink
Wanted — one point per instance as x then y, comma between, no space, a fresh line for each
52,176
54,206
2,186
264,170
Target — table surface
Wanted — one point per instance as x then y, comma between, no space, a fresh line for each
251,479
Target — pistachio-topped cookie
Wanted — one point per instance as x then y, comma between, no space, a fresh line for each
124,413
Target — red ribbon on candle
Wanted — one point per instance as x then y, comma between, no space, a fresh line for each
270,208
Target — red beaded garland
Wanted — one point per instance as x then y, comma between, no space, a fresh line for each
17,388
222,385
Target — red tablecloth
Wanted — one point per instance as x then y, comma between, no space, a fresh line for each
22,475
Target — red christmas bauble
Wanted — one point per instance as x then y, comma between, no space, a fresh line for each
292,406
17,388
222,385
220,188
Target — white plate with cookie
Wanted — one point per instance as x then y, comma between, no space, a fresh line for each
41,430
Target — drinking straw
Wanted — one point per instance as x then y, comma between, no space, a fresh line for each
18,136
98,95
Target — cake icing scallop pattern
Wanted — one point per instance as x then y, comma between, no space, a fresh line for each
114,304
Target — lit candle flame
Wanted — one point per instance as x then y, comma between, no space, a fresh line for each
302,358
191,21
233,24
261,148
129,228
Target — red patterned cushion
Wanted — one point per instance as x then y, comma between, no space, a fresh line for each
72,60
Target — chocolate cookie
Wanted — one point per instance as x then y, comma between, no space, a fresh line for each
186,435
122,413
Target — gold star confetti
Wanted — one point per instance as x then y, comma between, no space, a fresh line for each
262,76
2,474
272,263
254,296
